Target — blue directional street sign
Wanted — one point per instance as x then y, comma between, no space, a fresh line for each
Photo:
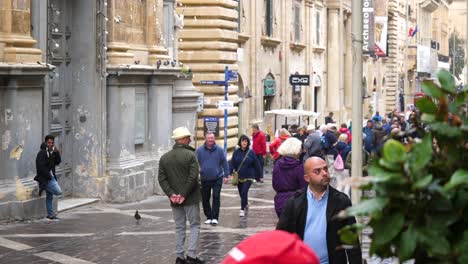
232,76
212,82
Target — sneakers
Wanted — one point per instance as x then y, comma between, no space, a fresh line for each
214,222
54,217
180,261
241,213
208,222
190,260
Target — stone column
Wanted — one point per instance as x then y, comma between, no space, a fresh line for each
21,106
333,61
348,65
154,28
117,40
159,136
160,112
16,43
184,105
121,126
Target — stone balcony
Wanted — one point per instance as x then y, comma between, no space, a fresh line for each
430,5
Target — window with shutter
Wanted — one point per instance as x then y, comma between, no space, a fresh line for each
297,23
269,17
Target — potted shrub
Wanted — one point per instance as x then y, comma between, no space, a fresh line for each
420,207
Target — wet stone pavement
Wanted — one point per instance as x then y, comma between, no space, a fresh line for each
108,233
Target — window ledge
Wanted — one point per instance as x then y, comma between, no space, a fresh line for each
318,48
297,46
242,37
270,42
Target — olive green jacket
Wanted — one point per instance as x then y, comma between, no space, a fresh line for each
178,174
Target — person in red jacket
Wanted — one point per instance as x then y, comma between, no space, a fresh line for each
284,134
259,144
344,130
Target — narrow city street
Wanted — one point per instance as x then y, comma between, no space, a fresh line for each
108,233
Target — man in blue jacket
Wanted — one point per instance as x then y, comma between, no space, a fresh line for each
213,168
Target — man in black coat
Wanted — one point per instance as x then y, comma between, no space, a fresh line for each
310,214
47,158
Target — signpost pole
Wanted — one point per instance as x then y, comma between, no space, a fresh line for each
226,83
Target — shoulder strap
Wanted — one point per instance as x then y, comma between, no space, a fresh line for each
242,162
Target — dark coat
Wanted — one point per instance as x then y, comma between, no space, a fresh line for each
343,149
313,146
46,162
328,140
288,177
251,169
178,174
293,220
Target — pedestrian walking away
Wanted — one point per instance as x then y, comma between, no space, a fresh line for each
47,158
213,169
178,177
284,134
313,144
288,173
259,145
245,163
311,215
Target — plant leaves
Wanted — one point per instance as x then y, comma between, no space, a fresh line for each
431,89
446,81
458,178
407,243
423,183
394,151
388,228
428,118
426,105
461,248
390,165
421,154
368,206
379,174
445,129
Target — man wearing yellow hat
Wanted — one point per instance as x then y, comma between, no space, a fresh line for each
178,177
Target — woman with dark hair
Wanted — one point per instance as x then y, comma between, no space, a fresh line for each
245,163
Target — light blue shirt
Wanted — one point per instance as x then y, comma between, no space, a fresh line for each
315,232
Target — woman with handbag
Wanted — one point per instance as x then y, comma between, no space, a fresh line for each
245,168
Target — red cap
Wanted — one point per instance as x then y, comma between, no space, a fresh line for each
272,247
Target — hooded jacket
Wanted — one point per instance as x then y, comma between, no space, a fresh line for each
213,163
346,131
259,143
288,177
274,146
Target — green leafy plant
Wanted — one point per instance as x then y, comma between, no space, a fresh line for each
420,207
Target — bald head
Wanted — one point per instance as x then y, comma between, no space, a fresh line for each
316,174
313,162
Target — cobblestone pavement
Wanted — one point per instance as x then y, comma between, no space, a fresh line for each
108,233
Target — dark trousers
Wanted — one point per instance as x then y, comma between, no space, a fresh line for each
262,160
211,212
243,188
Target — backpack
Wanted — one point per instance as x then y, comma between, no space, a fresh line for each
338,164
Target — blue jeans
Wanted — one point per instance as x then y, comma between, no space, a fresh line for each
51,189
206,187
243,188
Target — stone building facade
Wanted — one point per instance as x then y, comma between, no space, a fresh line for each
103,77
